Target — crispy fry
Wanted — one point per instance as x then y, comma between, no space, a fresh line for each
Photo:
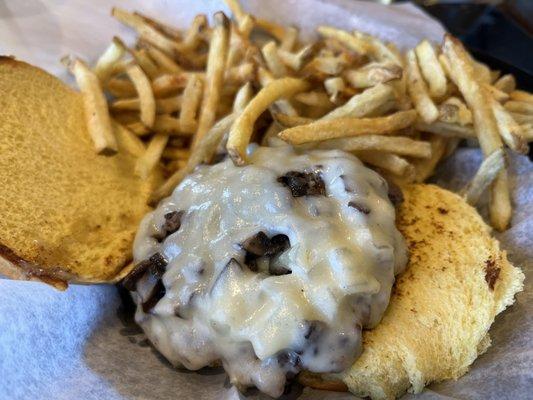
205,149
282,105
425,167
127,140
146,63
486,173
378,50
96,111
372,74
168,84
273,29
527,130
193,36
510,132
105,65
169,126
347,127
218,51
498,95
363,104
519,107
243,97
418,90
120,88
290,39
475,95
321,66
522,118
295,61
288,121
447,130
138,128
334,87
147,162
399,145
174,153
389,162
192,97
239,74
355,44
431,69
163,106
164,61
314,98
454,111
146,31
160,26
236,9
274,63
242,130
520,95
506,83
146,96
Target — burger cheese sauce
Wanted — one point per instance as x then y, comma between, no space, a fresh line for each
271,268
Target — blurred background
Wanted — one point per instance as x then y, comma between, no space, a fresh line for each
497,32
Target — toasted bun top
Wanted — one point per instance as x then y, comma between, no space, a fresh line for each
457,281
68,214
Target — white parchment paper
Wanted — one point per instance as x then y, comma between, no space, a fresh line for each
76,345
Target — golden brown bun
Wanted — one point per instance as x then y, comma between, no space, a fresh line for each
442,307
68,214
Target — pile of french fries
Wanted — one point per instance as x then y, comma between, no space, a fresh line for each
183,98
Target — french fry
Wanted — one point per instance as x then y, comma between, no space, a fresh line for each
506,83
243,97
127,140
325,65
282,105
164,61
389,162
372,74
347,127
168,84
314,98
173,33
205,149
239,74
425,167
138,128
295,61
334,88
431,69
146,63
519,107
447,130
246,25
498,95
146,96
241,131
485,175
95,107
146,31
273,29
218,51
378,50
399,145
174,153
418,91
147,162
105,65
510,132
192,38
120,88
527,130
169,126
363,104
522,118
192,97
355,44
163,106
454,111
236,9
273,61
290,39
475,95
520,95
289,121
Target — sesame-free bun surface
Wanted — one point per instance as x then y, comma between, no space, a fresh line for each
68,214
437,323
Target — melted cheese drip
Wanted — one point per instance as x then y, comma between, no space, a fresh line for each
266,328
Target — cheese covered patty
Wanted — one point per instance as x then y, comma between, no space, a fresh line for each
271,268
